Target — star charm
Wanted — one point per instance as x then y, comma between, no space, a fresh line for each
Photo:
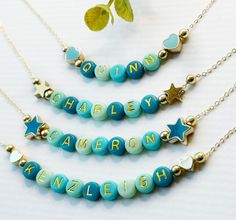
41,88
179,132
33,127
174,94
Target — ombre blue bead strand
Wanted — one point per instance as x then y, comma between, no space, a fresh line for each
83,108
135,70
91,191
118,73
116,146
69,104
108,191
67,142
87,69
150,104
115,111
58,183
30,170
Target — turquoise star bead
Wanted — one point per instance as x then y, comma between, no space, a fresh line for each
135,70
118,73
33,127
116,146
152,141
144,183
69,104
58,183
99,111
150,104
83,108
87,69
132,109
127,189
91,191
67,142
102,72
151,62
134,145
57,98
54,136
71,55
30,170
84,145
44,177
108,191
115,111
163,177
74,188
100,146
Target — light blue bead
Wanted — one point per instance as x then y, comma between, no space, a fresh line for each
118,73
116,146
67,142
144,183
152,141
172,42
58,183
83,108
127,189
115,111
44,177
100,146
74,188
30,170
84,145
150,104
102,72
108,190
135,70
99,111
151,62
163,177
54,136
91,191
72,55
132,109
134,145
57,99
69,104
87,69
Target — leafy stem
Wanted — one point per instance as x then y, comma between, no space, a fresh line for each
110,3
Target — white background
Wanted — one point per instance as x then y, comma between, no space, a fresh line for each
208,194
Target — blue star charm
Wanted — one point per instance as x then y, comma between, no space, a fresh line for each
179,132
33,127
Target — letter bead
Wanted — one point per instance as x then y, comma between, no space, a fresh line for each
115,111
163,177
87,69
144,183
127,189
151,62
135,70
152,141
58,183
57,99
91,191
118,73
150,104
74,188
30,170
108,190
54,136
83,108
84,145
99,146
67,142
44,177
99,112
69,104
132,109
116,146
134,145
102,72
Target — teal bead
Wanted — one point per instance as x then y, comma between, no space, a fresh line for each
74,188
132,109
58,183
108,190
57,99
99,112
30,170
118,73
83,145
87,69
67,142
115,111
102,72
151,62
134,145
152,141
69,104
150,104
135,70
116,146
144,183
83,108
163,177
100,146
44,177
127,189
71,55
172,42
54,136
91,191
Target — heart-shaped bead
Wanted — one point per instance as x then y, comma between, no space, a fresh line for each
15,157
173,43
72,55
186,162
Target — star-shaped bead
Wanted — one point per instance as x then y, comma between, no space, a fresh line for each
179,132
41,88
33,127
174,94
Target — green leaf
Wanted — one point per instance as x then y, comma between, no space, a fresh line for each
97,18
124,10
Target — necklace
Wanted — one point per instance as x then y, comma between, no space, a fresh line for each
109,190
151,141
135,69
150,104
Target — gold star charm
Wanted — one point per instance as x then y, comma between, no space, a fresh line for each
174,94
41,88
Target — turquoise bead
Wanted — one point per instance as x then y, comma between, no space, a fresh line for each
67,142
172,42
74,188
127,189
102,72
91,191
132,109
150,104
99,146
57,99
118,73
72,55
108,190
163,177
87,69
83,108
144,183
69,104
44,177
99,112
152,141
151,62
30,170
134,145
116,146
135,70
58,183
84,145
54,136
115,111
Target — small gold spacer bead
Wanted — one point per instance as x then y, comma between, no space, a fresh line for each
9,148
177,171
65,49
184,34
78,63
36,81
200,157
163,99
191,79
163,54
48,94
44,133
22,162
165,135
191,120
27,118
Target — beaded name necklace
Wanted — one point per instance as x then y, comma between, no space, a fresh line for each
135,69
151,141
109,190
150,104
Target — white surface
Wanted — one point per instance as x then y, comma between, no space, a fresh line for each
209,194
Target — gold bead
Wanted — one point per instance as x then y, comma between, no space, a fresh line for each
191,79
163,99
48,94
27,118
165,135
184,33
163,54
44,133
9,148
177,171
22,162
191,120
78,63
200,157
36,81
65,49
